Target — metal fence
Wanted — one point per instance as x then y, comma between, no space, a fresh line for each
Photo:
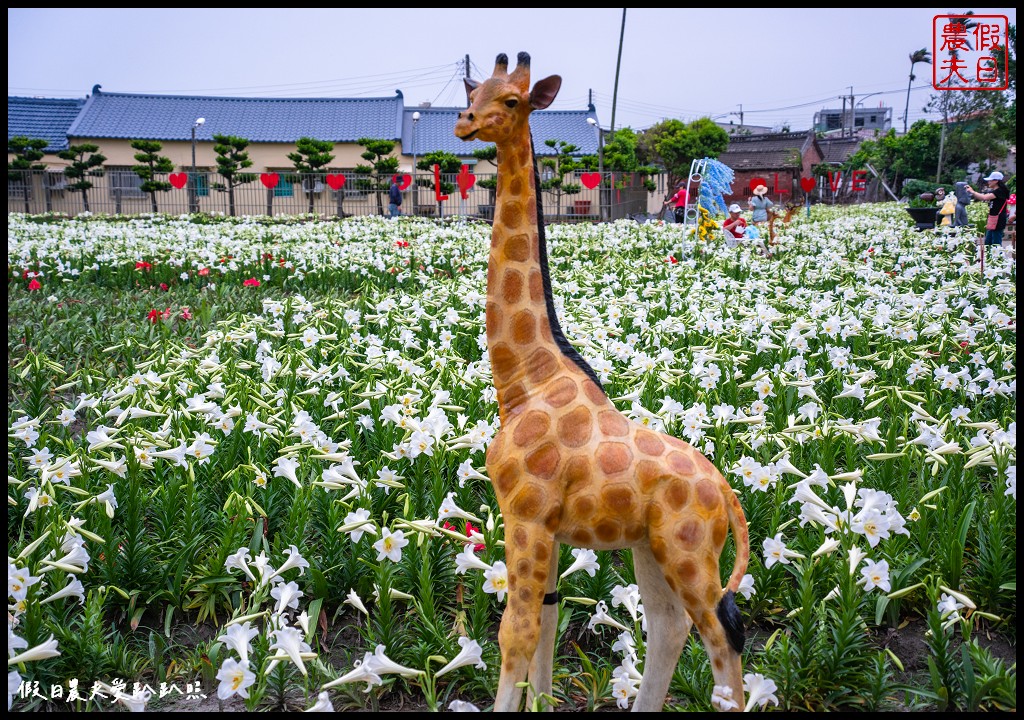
118,192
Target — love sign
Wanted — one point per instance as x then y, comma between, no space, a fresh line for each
590,180
270,180
807,184
335,182
465,180
754,182
178,180
403,181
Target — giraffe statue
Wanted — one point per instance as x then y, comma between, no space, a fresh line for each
567,466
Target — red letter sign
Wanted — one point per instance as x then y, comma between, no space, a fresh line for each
860,180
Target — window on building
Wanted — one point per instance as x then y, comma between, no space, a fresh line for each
18,187
832,122
202,184
874,119
858,122
284,187
124,182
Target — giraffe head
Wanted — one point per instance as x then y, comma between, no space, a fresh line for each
500,106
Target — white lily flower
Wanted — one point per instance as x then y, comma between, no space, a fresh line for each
285,467
471,654
235,679
760,691
355,601
364,671
239,638
289,641
585,560
73,588
322,704
42,651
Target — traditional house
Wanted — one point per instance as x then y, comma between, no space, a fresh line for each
185,126
777,160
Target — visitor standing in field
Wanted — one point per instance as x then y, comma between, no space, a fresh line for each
395,198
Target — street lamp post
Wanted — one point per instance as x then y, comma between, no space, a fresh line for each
600,167
193,200
415,190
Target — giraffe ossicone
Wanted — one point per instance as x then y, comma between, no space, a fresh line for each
567,466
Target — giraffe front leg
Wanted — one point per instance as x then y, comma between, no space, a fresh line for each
725,661
541,667
527,558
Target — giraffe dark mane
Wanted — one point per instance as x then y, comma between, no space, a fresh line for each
556,329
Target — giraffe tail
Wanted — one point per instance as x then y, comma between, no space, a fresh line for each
728,613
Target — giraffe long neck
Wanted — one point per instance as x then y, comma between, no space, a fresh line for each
524,339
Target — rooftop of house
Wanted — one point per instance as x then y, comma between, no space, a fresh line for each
129,116
45,118
769,150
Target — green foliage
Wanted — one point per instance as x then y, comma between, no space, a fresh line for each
26,152
311,156
150,163
560,165
232,158
382,166
674,145
85,161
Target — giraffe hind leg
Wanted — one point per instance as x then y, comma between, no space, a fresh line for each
667,628
542,665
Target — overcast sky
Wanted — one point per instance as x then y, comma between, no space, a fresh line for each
780,65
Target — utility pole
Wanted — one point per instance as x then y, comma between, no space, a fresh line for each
467,66
842,133
618,63
853,115
740,113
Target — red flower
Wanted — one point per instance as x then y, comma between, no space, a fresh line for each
251,282
186,314
204,271
268,256
154,316
142,265
402,243
469,532
34,284
671,260
164,287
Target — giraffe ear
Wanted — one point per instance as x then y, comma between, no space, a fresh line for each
471,85
544,92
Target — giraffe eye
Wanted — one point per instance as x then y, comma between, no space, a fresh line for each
511,102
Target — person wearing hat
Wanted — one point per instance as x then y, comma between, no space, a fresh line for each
679,201
760,203
997,197
734,225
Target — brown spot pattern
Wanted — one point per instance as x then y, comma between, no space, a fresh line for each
541,365
648,443
596,394
606,530
561,393
512,214
613,457
493,318
681,464
511,286
577,474
583,508
543,461
528,501
611,422
536,286
708,495
517,248
690,533
531,428
575,428
677,494
503,362
619,499
524,327
506,477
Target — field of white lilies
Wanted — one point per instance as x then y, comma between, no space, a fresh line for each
246,460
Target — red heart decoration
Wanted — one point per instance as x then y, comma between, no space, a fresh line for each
590,180
404,181
178,180
270,180
336,182
807,184
754,182
465,180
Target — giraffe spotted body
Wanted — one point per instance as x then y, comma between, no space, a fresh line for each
567,466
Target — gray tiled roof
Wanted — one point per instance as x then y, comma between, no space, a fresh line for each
838,150
768,151
170,117
435,131
46,118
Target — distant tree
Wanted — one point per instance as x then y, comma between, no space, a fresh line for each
85,161
900,157
561,164
490,154
26,152
449,164
151,163
313,156
674,145
232,158
621,155
382,166
918,56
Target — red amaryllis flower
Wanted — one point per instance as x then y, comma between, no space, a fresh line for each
154,316
469,532
671,259
251,282
186,314
204,271
34,284
164,287
144,266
